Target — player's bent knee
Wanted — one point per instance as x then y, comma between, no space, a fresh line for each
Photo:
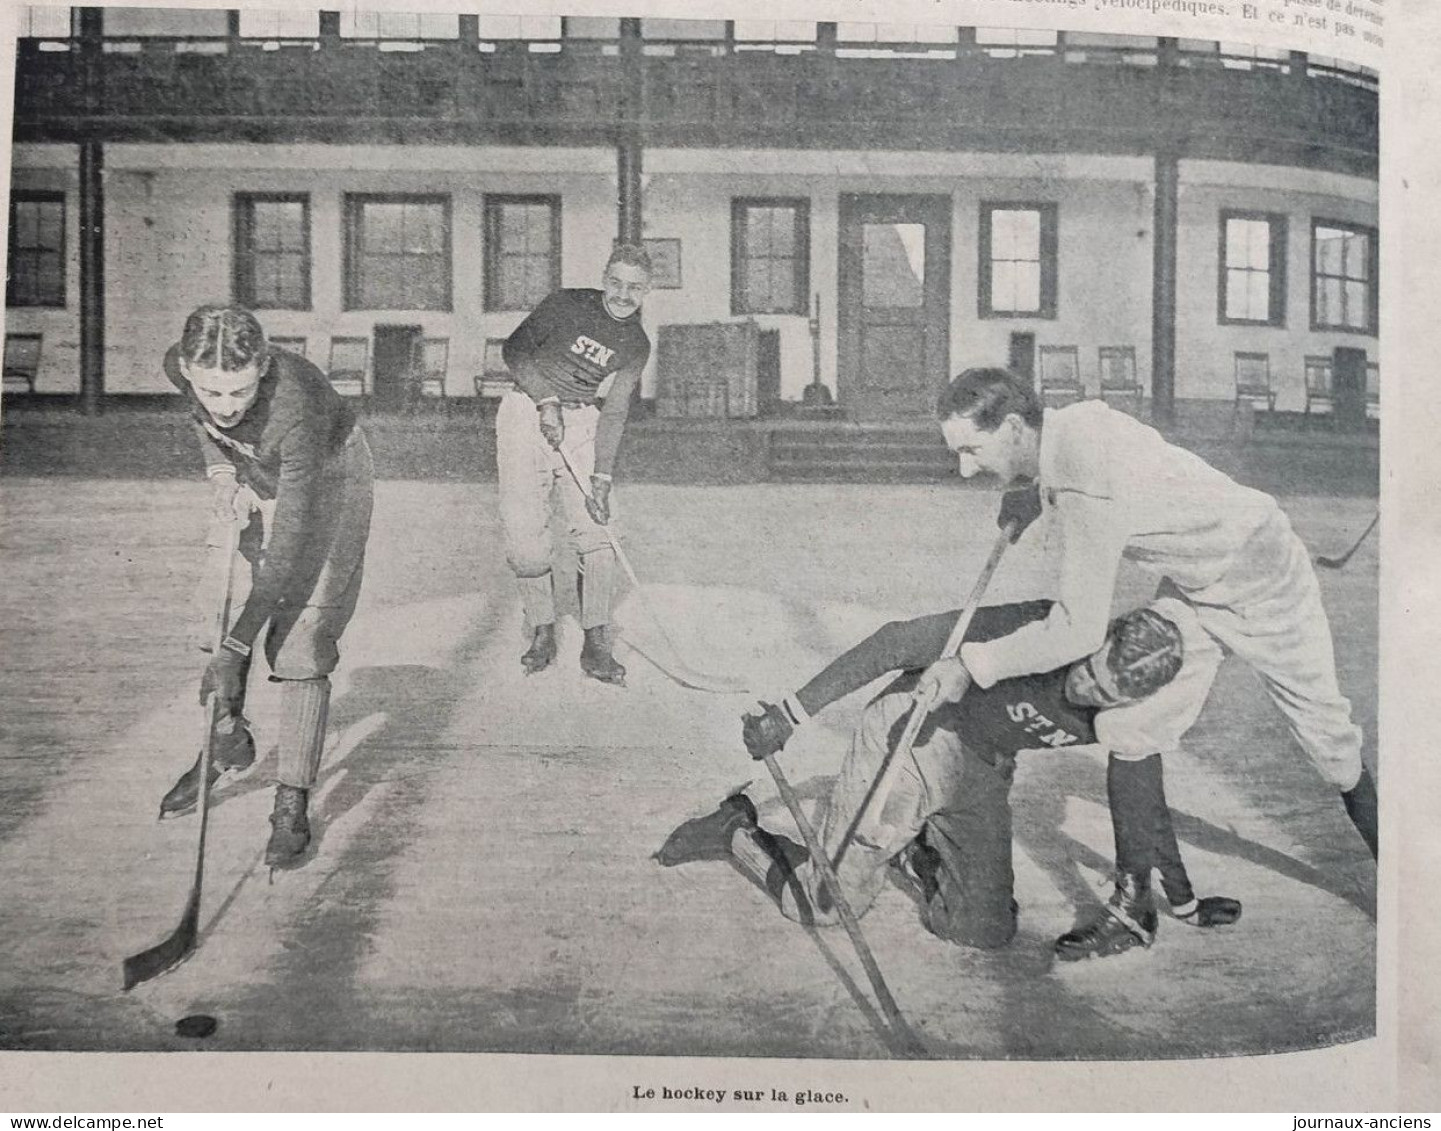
987,928
308,651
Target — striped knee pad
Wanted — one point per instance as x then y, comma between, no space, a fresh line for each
597,583
537,598
304,709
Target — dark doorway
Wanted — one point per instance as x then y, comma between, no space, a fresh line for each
396,369
1022,360
894,304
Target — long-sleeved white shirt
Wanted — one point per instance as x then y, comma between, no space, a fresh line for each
1116,489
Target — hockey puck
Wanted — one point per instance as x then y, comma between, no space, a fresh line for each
198,1025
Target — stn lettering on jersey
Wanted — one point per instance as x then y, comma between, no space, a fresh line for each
1033,722
592,351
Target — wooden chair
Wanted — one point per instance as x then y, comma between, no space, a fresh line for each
349,360
1060,372
296,346
22,362
434,361
1373,390
494,379
1117,367
1253,380
1318,384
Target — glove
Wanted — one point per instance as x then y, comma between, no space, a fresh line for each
552,426
1020,506
767,732
598,504
231,502
1361,806
225,675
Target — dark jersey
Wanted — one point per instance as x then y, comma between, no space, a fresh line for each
568,347
279,450
1024,713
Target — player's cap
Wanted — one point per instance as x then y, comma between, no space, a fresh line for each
1145,653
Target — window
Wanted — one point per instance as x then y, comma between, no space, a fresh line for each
37,250
397,252
1018,261
1343,277
770,256
272,251
277,24
522,250
1253,269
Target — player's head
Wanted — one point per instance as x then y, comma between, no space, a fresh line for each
626,280
223,355
1142,653
992,421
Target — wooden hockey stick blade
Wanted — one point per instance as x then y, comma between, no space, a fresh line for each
910,1043
170,951
1337,563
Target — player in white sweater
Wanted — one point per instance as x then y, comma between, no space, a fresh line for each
1114,489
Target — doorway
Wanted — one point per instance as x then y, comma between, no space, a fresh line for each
395,370
893,351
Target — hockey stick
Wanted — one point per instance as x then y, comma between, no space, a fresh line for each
921,703
677,670
1337,563
909,1040
170,951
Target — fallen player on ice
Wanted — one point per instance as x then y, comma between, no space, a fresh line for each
946,824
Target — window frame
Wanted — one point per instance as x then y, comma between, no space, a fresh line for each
354,216
242,251
1279,225
740,208
1050,214
492,205
1373,280
39,196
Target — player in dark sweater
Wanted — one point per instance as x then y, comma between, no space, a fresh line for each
576,361
286,459
948,817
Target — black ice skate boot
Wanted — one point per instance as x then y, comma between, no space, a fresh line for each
1129,921
290,827
232,752
596,659
541,653
1208,911
708,837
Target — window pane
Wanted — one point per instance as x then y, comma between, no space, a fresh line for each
1028,288
782,284
1329,250
1356,305
758,286
383,227
1016,234
893,265
1328,299
1355,255
1236,295
1258,296
27,224
423,229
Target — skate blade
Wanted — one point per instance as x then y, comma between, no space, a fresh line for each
232,773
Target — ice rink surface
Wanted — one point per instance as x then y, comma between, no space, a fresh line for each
482,877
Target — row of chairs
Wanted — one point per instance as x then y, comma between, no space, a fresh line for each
1060,376
1253,383
1060,373
349,364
